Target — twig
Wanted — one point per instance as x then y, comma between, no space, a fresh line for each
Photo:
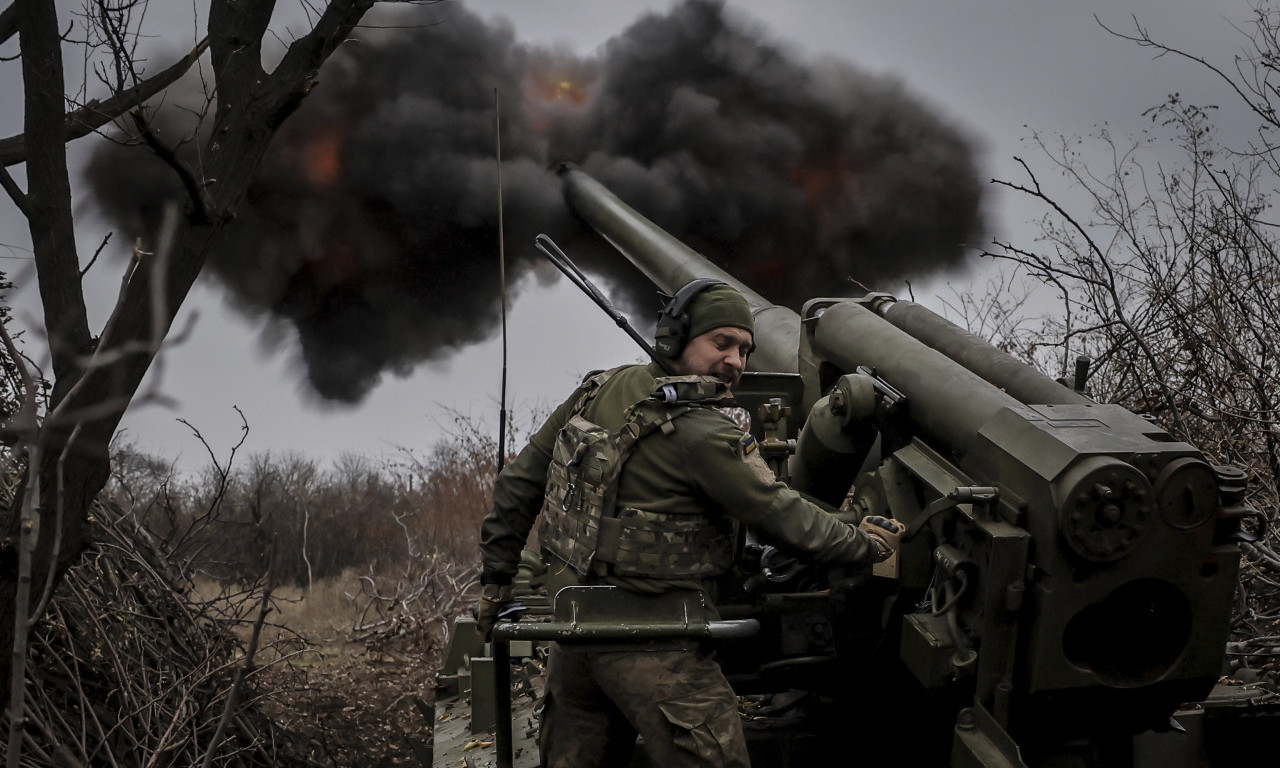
218,735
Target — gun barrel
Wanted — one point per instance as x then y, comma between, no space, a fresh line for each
949,402
669,264
1001,369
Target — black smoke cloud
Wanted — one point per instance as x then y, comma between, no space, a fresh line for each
372,224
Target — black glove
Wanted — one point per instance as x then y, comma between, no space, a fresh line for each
884,533
492,598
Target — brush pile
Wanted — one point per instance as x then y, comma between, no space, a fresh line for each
129,668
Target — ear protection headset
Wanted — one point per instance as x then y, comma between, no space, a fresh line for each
673,319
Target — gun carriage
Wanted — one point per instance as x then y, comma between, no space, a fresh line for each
1065,582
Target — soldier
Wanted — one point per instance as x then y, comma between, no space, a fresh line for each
689,467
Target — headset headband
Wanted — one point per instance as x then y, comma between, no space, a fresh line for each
673,319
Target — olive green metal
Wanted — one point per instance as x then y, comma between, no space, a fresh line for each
501,702
1084,560
601,612
670,264
974,353
487,674
829,452
851,335
596,632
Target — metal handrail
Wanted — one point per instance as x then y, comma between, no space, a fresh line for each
573,631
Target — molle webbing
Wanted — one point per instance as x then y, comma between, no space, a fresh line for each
640,543
580,522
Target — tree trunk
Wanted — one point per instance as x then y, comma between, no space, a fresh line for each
89,398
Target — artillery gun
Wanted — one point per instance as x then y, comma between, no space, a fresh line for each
1063,589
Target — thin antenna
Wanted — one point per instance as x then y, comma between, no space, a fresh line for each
576,276
502,278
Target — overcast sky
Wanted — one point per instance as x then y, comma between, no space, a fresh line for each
998,69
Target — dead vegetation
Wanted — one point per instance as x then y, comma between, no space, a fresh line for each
272,615
129,669
135,665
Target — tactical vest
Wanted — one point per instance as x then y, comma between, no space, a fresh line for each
581,523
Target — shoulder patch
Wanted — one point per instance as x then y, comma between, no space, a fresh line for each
749,453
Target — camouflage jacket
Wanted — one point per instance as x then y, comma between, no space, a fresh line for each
706,465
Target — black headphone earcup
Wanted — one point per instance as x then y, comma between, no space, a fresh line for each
673,319
667,344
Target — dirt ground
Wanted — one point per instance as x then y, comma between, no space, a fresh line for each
345,686
347,705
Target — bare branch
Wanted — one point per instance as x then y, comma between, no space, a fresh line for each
1143,38
92,116
8,22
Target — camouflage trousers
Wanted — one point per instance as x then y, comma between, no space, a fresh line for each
677,701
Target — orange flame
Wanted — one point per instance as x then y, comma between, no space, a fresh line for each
322,157
561,78
819,183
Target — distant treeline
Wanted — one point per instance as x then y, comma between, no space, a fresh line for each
304,522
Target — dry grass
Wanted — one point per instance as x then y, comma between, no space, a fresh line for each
325,612
324,617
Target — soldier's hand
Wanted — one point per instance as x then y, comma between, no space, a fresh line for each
884,533
492,598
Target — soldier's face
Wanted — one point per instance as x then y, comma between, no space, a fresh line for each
720,352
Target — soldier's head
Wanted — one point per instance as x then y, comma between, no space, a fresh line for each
706,329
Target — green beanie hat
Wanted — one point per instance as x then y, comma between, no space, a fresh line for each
716,307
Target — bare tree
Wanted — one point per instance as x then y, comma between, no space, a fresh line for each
95,375
1168,272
